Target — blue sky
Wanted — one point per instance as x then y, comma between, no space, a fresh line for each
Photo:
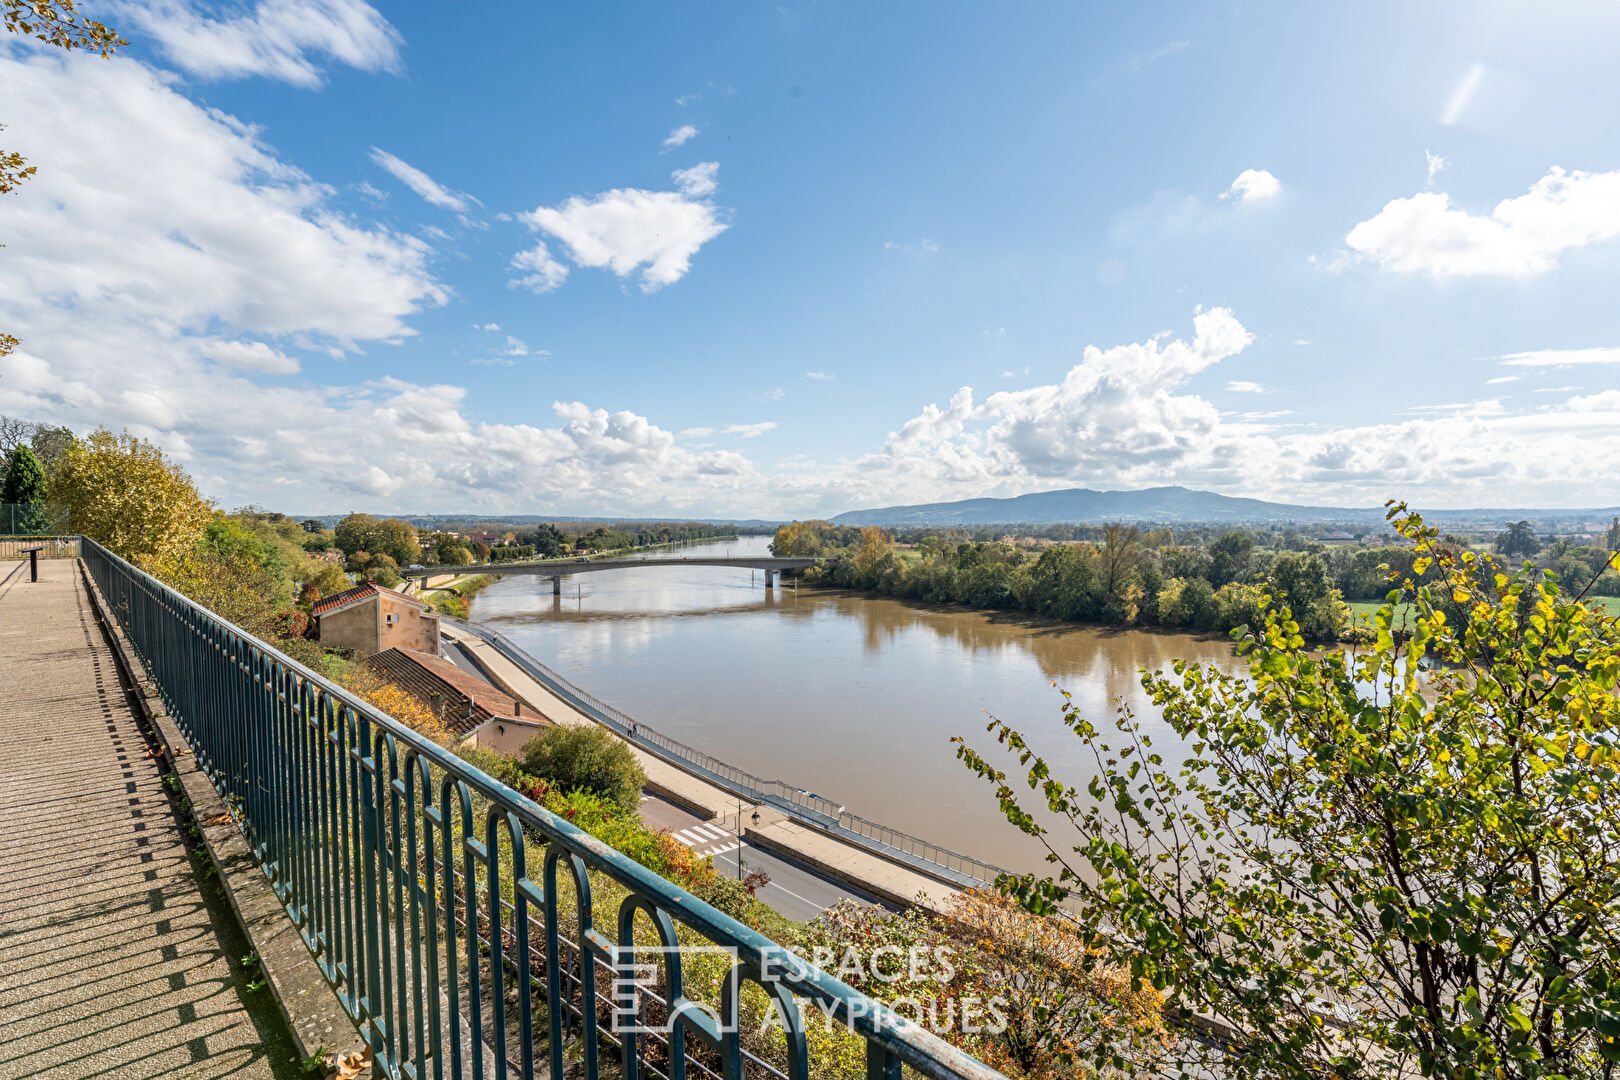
789,260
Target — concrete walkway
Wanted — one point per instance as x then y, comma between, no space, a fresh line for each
113,962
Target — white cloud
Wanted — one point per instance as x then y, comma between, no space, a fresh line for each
249,356
1561,357
749,431
493,361
680,136
1556,390
1253,186
776,393
372,194
628,228
686,99
515,347
1436,163
287,40
546,273
212,227
487,326
1522,236
1503,379
699,180
1243,386
419,181
820,376
697,432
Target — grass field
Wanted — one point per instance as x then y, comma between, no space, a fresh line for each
1362,611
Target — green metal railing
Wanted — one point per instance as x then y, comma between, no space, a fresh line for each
409,875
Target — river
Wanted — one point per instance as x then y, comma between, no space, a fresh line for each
853,697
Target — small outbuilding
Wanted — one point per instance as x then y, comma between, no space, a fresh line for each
368,619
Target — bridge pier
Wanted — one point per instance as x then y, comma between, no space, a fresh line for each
770,578
556,586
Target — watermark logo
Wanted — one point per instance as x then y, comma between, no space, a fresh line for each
910,983
638,985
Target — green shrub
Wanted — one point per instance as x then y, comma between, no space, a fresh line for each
570,757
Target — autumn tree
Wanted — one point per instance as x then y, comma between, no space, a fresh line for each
124,493
23,493
1372,863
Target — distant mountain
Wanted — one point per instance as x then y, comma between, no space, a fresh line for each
1165,504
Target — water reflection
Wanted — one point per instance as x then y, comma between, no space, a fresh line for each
850,696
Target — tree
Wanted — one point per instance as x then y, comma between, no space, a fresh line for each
1301,581
1230,556
1518,538
24,491
1374,864
50,443
123,492
383,570
312,525
1116,563
448,550
570,756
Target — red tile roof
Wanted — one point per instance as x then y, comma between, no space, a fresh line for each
359,592
466,700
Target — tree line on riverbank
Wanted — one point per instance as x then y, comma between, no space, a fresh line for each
1205,580
1127,579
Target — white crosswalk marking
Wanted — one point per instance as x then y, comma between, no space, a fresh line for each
713,830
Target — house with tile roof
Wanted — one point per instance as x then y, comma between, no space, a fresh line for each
467,705
368,619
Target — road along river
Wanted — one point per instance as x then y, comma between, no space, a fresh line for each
852,697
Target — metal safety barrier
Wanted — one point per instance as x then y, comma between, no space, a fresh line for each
452,916
941,862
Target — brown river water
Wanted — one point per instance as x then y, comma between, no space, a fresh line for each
853,697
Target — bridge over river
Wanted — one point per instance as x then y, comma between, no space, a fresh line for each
557,569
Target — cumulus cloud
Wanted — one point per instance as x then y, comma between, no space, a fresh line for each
1253,186
1561,357
545,273
213,227
288,40
680,136
1244,386
627,229
1522,236
419,181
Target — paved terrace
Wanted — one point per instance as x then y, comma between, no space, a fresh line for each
115,959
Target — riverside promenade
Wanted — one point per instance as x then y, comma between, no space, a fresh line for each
116,959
